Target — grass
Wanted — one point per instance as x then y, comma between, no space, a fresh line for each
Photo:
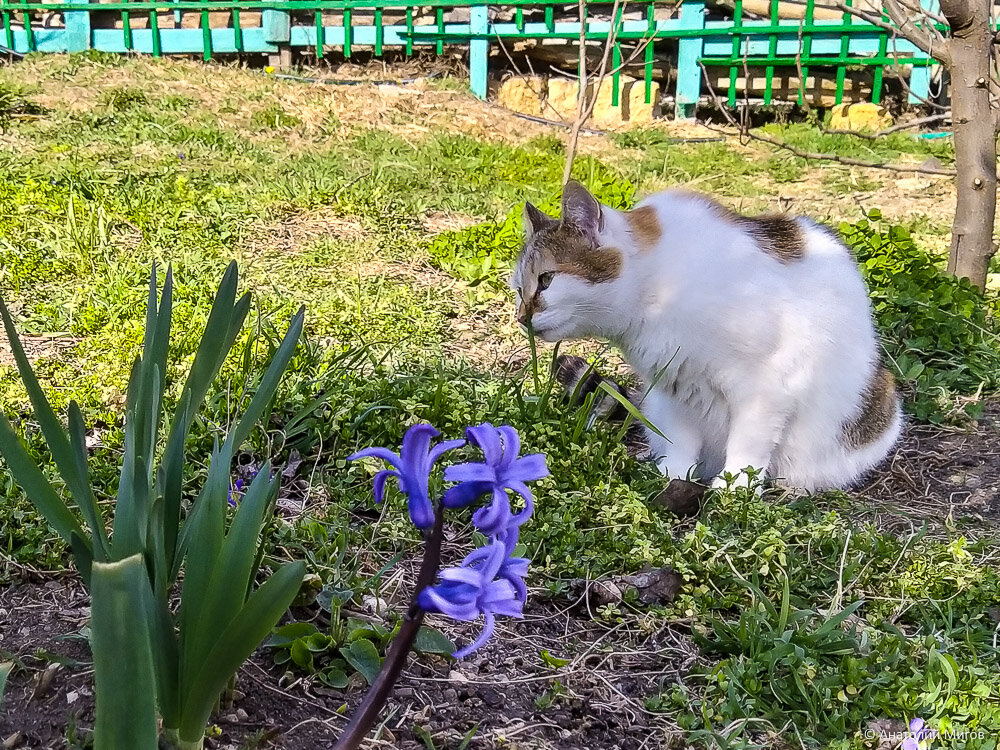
135,161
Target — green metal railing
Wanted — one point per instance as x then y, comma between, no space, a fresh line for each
736,44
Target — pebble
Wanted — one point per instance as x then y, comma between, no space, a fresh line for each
450,695
243,715
456,676
406,692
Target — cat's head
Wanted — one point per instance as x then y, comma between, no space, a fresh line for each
565,273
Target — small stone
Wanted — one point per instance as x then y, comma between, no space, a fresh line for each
492,698
681,497
405,692
450,695
231,719
72,696
456,676
242,715
375,606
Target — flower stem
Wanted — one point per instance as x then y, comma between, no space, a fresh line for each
371,705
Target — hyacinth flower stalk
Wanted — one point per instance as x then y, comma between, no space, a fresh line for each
150,658
490,580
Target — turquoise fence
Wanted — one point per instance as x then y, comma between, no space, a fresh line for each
737,44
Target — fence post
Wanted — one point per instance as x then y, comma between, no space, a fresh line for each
688,66
278,30
78,27
920,84
479,50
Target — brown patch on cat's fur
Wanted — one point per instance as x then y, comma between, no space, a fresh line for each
878,409
645,227
569,252
779,236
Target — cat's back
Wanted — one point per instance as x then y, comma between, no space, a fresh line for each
699,227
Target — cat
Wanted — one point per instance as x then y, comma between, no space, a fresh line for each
753,335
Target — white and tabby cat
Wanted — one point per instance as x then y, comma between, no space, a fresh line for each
754,335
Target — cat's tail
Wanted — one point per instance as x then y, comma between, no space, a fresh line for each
579,378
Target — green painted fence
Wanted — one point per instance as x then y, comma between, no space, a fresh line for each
736,44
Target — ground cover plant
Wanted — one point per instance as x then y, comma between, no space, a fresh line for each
392,215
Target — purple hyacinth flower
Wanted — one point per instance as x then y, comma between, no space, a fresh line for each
487,583
502,470
236,492
412,468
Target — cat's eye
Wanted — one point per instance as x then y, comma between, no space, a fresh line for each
544,280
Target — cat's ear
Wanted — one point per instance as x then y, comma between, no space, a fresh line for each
581,210
535,220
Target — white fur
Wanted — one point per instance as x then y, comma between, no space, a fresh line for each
767,360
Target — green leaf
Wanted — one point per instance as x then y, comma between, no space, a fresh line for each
291,632
334,677
630,408
259,615
124,681
553,661
36,487
91,513
51,427
364,657
301,654
5,670
431,641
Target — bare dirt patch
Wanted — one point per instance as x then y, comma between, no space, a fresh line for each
38,346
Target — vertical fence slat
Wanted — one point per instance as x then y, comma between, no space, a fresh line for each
650,44
409,30
616,60
688,61
439,18
8,32
379,32
29,32
318,25
348,31
206,33
737,33
877,77
806,48
550,22
479,50
77,28
772,51
920,84
845,48
154,30
237,31
277,25
127,30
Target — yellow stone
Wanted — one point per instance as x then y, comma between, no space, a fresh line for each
860,116
522,94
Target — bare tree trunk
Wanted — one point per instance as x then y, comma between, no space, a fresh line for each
975,124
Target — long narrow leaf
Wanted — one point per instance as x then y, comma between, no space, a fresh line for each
36,487
91,513
269,382
123,662
51,427
231,571
207,361
5,669
257,618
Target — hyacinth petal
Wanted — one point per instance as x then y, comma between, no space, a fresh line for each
470,472
910,744
916,725
516,566
508,608
527,468
431,601
380,480
421,511
495,517
493,562
487,439
511,443
524,515
477,644
520,588
441,448
462,575
417,440
464,494
384,453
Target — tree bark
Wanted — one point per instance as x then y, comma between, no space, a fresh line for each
974,125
